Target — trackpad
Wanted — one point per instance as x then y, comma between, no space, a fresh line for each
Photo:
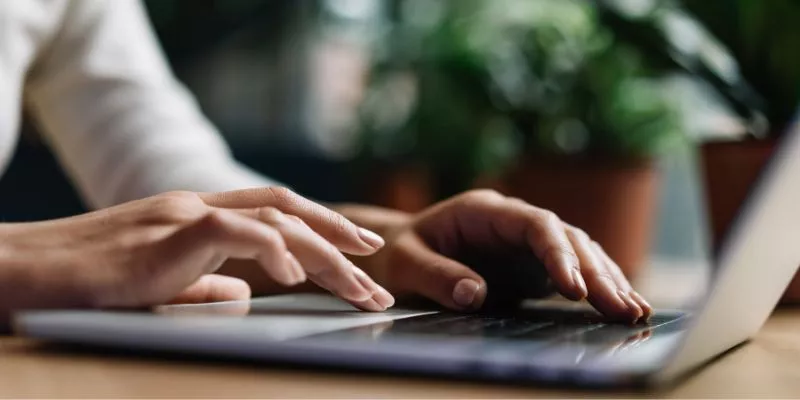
284,317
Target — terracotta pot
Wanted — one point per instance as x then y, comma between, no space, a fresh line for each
730,169
406,189
614,202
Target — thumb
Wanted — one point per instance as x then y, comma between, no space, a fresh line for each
436,277
213,288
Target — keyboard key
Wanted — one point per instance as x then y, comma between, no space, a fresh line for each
514,327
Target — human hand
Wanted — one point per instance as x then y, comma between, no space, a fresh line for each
165,248
449,251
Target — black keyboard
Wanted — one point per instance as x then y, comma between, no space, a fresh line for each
538,326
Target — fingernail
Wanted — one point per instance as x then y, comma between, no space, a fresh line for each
639,299
361,294
632,306
366,283
380,295
579,284
465,293
383,297
373,305
371,238
646,307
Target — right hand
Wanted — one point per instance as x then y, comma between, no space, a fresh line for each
165,248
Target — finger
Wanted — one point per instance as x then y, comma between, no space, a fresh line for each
202,247
622,281
635,301
213,288
272,252
323,263
380,300
603,290
436,277
334,227
491,215
297,269
646,307
552,246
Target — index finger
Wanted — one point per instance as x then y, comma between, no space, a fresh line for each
518,223
334,227
544,232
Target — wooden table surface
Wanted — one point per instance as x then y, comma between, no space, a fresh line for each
769,366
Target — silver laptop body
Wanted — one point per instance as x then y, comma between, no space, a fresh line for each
752,270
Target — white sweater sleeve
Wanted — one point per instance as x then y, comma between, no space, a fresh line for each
121,124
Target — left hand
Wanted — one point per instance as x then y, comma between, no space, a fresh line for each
448,252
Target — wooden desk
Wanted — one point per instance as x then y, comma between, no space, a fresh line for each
767,367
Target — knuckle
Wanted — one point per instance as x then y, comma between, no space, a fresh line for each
271,215
177,206
549,217
282,195
597,246
215,220
332,254
340,225
599,249
562,251
517,202
580,235
483,195
273,240
210,228
180,195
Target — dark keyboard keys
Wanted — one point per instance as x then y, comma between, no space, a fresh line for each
540,326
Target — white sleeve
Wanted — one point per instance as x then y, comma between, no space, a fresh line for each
121,124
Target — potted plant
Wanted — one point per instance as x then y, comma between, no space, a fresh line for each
762,37
537,98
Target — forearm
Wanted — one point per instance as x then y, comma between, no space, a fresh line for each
30,280
115,116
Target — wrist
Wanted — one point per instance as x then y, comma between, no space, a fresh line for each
30,279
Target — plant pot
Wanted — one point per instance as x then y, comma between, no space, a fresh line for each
730,169
614,202
404,188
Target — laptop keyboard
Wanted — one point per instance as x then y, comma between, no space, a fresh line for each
541,326
529,338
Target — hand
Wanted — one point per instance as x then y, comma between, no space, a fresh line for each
165,248
448,252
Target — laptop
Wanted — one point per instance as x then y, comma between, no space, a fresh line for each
547,343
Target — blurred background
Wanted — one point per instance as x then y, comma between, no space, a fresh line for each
634,119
